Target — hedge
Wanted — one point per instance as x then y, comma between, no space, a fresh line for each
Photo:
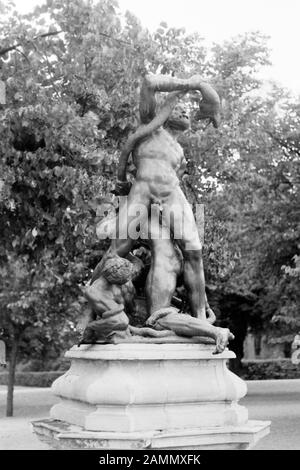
32,379
264,369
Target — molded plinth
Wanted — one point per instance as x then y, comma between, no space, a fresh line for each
61,435
147,387
157,390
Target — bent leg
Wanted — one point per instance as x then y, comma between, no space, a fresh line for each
178,214
195,282
137,200
185,325
165,267
132,219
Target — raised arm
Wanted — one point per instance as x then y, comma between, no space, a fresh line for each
158,120
152,120
209,106
157,83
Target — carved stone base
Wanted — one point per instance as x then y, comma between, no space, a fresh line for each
64,436
126,394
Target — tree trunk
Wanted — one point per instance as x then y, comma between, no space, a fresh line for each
11,377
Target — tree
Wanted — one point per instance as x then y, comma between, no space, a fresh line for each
51,182
72,71
248,178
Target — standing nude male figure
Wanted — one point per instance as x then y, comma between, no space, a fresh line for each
160,162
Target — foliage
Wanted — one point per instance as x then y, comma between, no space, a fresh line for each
72,71
270,369
248,178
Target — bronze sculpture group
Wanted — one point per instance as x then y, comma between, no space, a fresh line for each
166,220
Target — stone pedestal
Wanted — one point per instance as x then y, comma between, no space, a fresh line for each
154,396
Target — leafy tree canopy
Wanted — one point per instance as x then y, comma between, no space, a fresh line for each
72,71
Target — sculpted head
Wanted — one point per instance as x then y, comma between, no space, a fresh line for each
117,270
179,118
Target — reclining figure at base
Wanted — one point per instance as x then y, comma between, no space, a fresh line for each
112,293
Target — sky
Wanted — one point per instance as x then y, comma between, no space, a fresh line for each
218,20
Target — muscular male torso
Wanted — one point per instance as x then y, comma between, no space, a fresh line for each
159,160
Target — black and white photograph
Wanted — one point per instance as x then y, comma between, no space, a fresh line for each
149,230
